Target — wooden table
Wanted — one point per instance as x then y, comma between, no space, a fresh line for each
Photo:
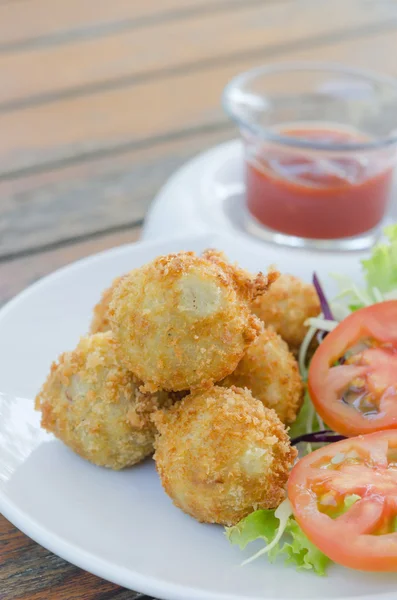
99,103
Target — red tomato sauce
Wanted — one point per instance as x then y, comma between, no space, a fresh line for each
314,196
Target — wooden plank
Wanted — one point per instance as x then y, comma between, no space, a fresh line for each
30,572
47,72
15,275
48,21
75,201
104,121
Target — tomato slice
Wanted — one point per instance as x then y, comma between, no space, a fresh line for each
353,373
344,497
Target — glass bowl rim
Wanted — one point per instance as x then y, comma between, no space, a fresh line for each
268,134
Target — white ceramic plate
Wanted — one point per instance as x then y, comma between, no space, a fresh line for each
122,526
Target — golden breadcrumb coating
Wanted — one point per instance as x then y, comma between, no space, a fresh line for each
221,454
271,372
90,402
247,284
285,308
184,321
100,315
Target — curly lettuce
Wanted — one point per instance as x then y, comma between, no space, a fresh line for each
307,421
380,276
380,270
283,538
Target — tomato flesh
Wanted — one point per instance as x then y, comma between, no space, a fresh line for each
361,535
353,373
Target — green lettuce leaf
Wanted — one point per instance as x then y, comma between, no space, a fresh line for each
353,307
261,524
301,552
380,270
307,420
380,276
296,548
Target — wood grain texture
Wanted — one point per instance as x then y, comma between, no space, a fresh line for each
25,22
114,119
72,202
16,275
155,51
30,572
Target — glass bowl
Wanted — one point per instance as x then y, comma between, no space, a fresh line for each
320,146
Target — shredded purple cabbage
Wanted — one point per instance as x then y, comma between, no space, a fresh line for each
320,437
325,308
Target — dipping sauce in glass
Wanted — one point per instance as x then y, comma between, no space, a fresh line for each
327,195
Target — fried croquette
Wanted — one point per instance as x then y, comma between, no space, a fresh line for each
247,283
271,373
100,316
184,321
285,308
90,402
221,454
